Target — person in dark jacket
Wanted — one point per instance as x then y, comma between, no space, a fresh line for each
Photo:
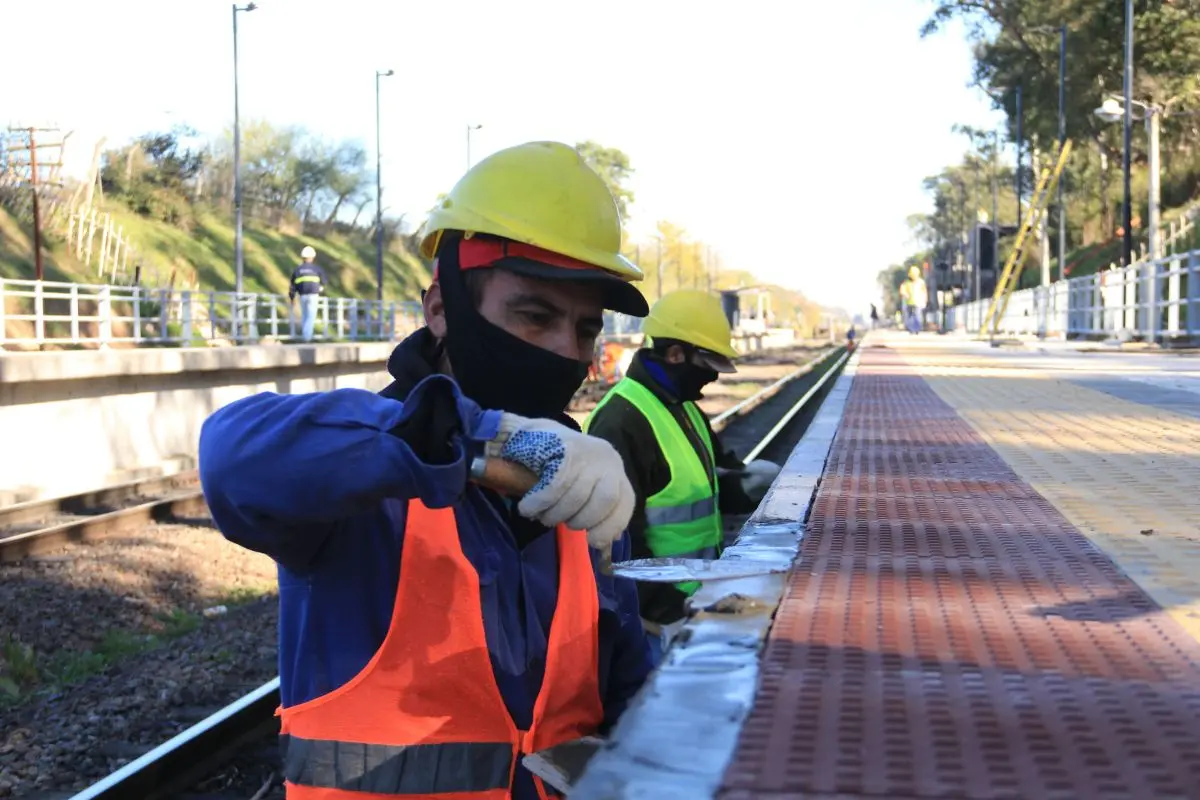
683,478
431,630
308,281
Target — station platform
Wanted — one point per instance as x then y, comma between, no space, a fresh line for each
995,594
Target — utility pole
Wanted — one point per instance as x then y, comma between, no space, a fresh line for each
1043,229
995,208
975,251
35,179
37,214
237,163
1062,138
379,193
1153,119
1127,250
1020,155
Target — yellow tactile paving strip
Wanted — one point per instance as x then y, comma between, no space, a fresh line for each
1127,475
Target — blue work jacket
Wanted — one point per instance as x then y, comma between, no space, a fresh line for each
319,482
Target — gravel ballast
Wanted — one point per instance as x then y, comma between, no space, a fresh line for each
117,645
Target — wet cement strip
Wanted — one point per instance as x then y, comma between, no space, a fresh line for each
679,734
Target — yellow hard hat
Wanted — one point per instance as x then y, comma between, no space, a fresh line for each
691,316
538,193
914,272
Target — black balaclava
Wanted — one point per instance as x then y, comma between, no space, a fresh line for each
492,367
687,378
690,379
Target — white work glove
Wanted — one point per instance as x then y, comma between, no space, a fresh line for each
758,477
581,480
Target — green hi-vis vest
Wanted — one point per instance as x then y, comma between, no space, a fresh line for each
682,520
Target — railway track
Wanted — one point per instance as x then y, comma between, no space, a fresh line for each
772,420
41,525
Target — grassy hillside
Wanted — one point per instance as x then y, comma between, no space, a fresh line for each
16,253
205,250
271,255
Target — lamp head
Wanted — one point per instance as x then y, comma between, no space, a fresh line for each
1111,110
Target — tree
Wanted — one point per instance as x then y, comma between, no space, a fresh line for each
1017,44
613,166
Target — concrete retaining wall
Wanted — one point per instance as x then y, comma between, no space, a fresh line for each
78,420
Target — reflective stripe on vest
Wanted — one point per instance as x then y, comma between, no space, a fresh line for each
397,769
425,716
308,279
670,515
682,519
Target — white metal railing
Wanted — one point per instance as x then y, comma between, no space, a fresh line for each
1151,299
48,312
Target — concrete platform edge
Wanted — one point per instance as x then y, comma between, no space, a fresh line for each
678,736
69,365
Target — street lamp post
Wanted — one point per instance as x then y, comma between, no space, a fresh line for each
379,193
237,156
995,218
1126,159
1020,154
1114,110
469,129
1062,138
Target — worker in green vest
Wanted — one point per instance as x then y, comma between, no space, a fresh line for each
683,479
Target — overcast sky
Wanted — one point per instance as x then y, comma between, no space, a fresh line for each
791,136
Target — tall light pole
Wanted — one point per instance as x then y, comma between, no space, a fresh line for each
237,153
1020,154
995,211
379,191
1062,138
469,129
1126,158
1114,110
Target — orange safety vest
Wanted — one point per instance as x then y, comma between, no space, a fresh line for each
424,717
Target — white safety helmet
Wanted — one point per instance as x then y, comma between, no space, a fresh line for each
308,252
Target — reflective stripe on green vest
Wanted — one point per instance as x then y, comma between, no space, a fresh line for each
682,520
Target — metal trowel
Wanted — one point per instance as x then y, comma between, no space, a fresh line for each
560,767
514,480
683,570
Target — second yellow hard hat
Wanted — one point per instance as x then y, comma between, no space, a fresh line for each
691,316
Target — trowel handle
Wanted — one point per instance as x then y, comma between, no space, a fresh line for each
514,480
505,477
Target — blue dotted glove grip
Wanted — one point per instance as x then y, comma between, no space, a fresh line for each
541,452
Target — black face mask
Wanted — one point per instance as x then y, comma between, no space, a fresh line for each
494,368
690,379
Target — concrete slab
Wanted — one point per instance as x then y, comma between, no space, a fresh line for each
83,364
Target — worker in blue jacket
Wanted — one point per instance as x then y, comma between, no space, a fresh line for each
416,651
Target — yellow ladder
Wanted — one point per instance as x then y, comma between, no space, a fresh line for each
1010,278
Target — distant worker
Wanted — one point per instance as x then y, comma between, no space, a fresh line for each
308,281
851,335
432,631
915,297
683,479
874,317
